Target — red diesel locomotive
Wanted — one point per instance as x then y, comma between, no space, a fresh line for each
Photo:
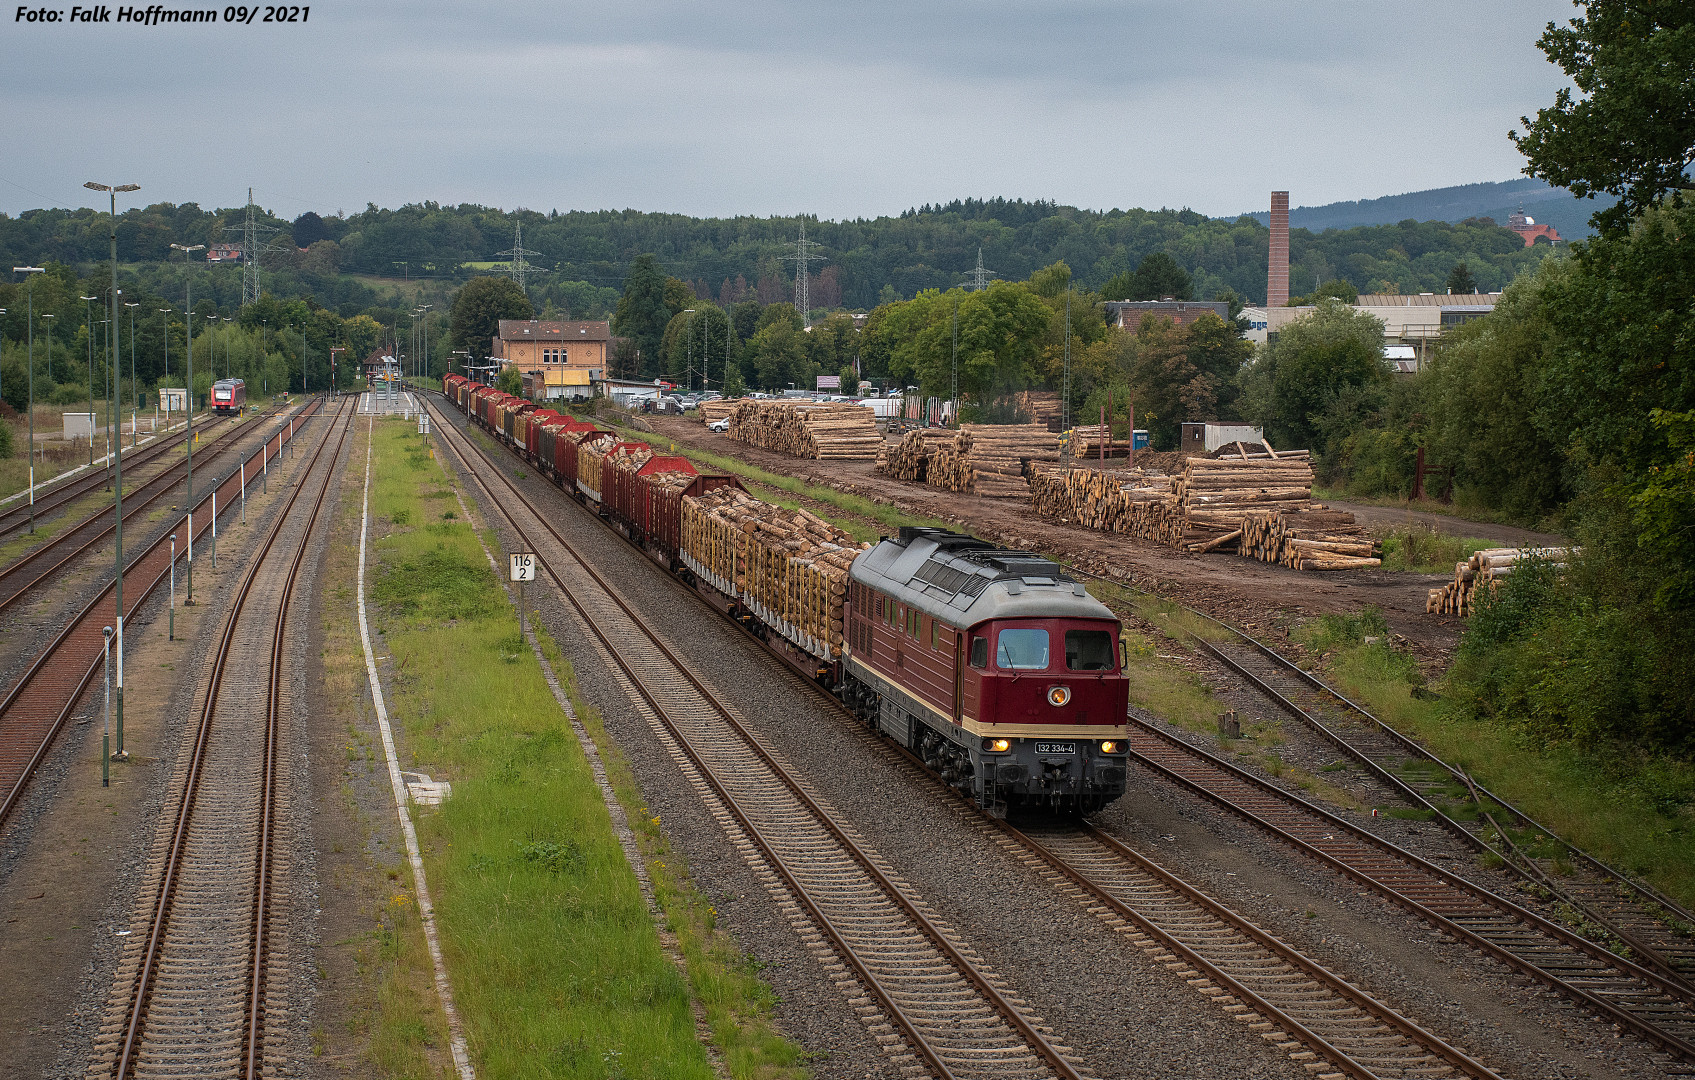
993,666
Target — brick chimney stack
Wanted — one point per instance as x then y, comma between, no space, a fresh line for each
1277,272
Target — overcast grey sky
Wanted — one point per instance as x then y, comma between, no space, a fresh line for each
842,110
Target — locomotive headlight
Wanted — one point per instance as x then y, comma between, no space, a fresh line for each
997,746
1059,695
1110,747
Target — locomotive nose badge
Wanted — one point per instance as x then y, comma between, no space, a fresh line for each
1058,695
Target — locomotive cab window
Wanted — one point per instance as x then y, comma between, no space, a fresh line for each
1088,650
979,651
1022,649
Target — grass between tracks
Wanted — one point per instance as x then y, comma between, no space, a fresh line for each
1634,815
556,963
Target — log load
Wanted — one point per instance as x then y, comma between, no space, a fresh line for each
1484,571
1136,502
790,567
909,459
714,410
839,430
988,459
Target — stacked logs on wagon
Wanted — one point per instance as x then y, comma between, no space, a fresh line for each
909,459
1484,572
715,410
989,459
789,566
838,430
591,453
1137,502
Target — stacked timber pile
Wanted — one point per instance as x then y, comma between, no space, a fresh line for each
1315,538
716,409
988,459
591,453
1261,506
1483,571
790,567
1217,492
670,480
1249,451
839,430
909,459
1087,440
1041,406
1139,503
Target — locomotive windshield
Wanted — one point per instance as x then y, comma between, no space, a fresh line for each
1088,650
1022,649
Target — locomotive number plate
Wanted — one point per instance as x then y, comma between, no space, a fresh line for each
1056,748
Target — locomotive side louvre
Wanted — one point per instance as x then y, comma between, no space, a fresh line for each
993,666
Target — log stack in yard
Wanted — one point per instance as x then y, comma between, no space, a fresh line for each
1257,506
1136,502
716,409
1484,571
989,459
910,459
841,431
789,566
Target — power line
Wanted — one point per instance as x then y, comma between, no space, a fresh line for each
251,249
802,256
517,266
981,274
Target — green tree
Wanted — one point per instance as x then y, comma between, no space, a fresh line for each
1481,394
777,354
510,381
1631,130
833,344
643,312
1460,280
1314,359
1156,277
478,309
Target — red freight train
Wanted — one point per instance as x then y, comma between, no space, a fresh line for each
991,665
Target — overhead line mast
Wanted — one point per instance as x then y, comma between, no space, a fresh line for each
517,266
802,256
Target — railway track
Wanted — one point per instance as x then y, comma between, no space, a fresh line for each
1651,999
1319,1018
1632,997
191,995
957,1017
35,707
1658,931
46,502
39,564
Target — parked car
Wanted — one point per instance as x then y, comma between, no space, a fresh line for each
721,425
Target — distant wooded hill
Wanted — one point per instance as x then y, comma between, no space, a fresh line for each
1549,205
867,261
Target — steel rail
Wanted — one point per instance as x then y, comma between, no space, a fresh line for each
1673,986
1506,908
1652,898
25,572
46,502
1258,1002
1015,1019
48,690
185,809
